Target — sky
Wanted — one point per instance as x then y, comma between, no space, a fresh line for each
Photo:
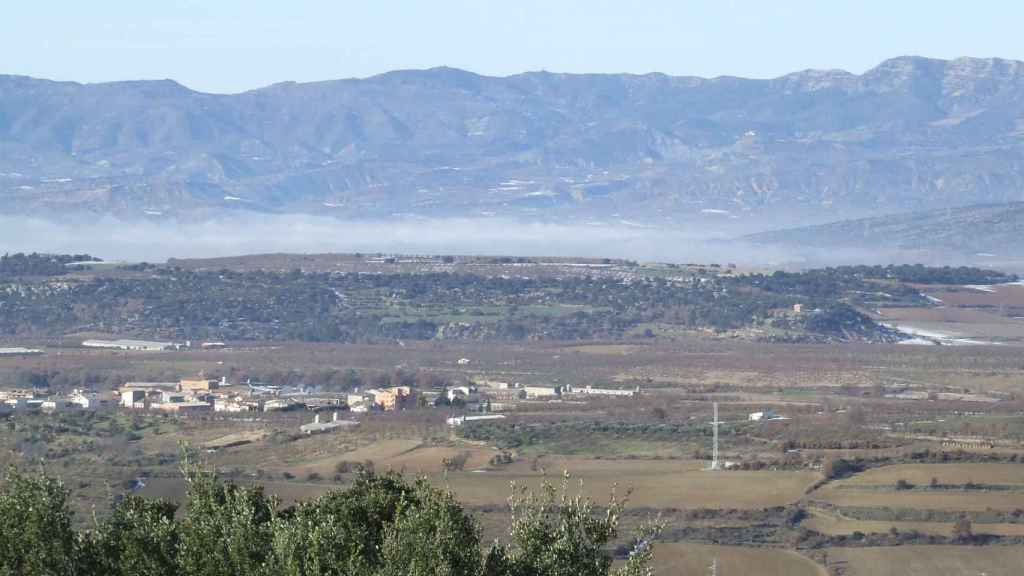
235,45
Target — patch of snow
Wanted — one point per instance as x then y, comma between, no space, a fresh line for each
919,342
981,288
919,336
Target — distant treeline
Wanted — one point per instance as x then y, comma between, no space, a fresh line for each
174,303
16,265
917,274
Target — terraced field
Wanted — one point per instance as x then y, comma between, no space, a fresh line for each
930,561
672,559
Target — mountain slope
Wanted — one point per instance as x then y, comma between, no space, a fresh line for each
908,134
994,229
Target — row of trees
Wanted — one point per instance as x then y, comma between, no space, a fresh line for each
19,264
381,525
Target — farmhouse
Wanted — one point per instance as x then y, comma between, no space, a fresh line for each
392,398
132,398
91,400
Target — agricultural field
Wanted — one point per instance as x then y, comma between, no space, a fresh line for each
654,484
834,524
958,315
930,561
772,514
923,474
673,558
954,500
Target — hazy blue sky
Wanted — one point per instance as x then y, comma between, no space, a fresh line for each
233,45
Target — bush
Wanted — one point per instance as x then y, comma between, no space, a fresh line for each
902,484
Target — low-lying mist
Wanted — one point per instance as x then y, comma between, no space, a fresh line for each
156,241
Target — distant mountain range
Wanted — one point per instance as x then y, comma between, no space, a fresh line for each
910,134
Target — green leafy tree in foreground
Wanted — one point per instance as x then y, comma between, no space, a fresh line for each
36,537
140,538
381,525
556,533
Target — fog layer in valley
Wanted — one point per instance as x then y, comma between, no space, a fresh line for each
154,241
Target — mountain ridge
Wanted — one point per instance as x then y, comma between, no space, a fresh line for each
821,144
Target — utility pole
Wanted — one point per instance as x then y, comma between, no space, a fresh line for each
715,464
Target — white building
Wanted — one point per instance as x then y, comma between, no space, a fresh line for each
58,405
533,392
764,415
133,399
316,426
460,420
466,394
124,344
25,404
591,391
19,351
89,400
232,405
496,384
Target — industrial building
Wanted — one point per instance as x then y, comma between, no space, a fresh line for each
533,392
184,407
19,351
461,420
591,391
316,426
504,394
134,345
200,385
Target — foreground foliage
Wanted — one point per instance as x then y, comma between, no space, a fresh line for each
381,525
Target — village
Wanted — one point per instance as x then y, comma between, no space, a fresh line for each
478,400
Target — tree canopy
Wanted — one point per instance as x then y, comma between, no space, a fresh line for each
380,525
